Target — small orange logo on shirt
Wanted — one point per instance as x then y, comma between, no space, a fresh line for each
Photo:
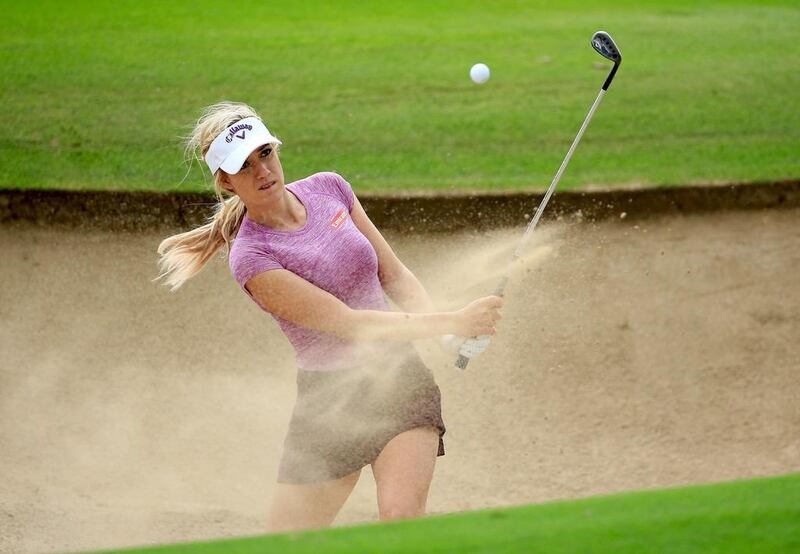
339,218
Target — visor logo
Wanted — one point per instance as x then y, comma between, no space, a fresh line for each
233,130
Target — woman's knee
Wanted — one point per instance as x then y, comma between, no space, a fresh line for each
402,508
297,507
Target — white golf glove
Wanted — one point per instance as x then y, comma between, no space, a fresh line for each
474,346
469,348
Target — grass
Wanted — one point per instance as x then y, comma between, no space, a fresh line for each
96,95
760,515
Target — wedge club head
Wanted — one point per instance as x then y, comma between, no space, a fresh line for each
605,46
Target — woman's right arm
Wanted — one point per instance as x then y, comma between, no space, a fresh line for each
291,297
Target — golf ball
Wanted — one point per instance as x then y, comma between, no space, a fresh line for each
479,73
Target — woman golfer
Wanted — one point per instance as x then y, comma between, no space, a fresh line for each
307,254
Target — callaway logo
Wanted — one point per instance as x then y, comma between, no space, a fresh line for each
240,127
602,48
339,218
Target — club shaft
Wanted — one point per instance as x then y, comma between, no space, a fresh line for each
463,360
543,204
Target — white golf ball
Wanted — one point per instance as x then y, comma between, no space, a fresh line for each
479,73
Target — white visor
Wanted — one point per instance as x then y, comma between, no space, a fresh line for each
232,146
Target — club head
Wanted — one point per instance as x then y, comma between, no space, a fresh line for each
605,46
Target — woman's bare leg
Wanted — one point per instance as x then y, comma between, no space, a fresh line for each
403,473
311,506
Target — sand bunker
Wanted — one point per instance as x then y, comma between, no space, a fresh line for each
631,355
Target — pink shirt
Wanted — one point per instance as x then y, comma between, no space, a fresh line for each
328,251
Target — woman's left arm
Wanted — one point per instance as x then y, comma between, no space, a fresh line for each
400,284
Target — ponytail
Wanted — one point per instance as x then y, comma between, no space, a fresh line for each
185,254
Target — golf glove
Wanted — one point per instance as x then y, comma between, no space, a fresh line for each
474,346
469,348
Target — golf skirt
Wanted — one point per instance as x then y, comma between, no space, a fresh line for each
344,418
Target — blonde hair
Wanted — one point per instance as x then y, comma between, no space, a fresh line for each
185,254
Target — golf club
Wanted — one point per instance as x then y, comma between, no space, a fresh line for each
605,46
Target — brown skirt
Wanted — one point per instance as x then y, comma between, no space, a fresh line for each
344,418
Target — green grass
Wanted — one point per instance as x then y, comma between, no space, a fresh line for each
95,95
757,516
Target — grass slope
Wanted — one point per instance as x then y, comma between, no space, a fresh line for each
95,95
745,516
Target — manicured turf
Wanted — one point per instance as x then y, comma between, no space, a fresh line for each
745,516
95,94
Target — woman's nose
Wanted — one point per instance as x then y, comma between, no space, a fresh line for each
262,169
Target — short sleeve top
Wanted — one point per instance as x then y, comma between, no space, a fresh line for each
328,251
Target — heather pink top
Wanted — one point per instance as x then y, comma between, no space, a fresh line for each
328,251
